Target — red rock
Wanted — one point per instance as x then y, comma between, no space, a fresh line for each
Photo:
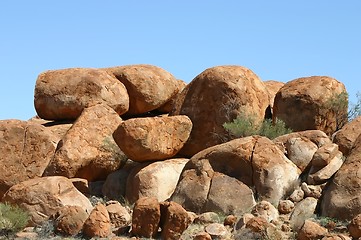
152,138
218,95
149,87
308,96
146,217
43,197
63,94
311,230
98,223
88,150
175,221
26,149
347,135
354,227
273,87
69,220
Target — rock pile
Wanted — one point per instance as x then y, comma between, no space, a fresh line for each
138,136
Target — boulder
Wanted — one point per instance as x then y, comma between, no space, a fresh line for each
119,215
302,211
285,206
342,198
354,227
347,135
88,150
311,96
300,151
175,220
98,223
266,210
43,197
63,94
254,161
157,179
69,220
311,230
146,217
217,231
149,87
273,87
216,96
26,149
316,136
168,106
152,138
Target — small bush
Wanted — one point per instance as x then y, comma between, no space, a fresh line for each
12,218
244,126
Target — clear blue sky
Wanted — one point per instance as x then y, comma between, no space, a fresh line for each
278,40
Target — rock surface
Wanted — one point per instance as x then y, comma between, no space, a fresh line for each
149,87
69,220
98,223
346,137
26,149
157,179
159,138
216,96
342,198
88,150
63,94
311,230
308,95
43,197
273,87
175,220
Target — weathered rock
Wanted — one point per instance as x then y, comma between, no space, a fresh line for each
324,155
202,236
347,135
266,210
322,175
63,94
273,87
243,220
26,149
168,106
149,87
302,211
146,217
69,220
159,138
300,151
217,230
354,227
98,223
309,95
119,215
255,161
206,218
88,150
230,221
43,197
218,95
257,224
342,198
285,206
157,179
316,136
274,176
310,231
314,191
175,220
82,185
297,195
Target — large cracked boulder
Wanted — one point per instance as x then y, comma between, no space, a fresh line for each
309,96
152,138
273,87
342,198
149,87
63,94
235,167
43,197
88,150
219,95
26,149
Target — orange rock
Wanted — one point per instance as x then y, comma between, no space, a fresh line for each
69,220
98,223
175,220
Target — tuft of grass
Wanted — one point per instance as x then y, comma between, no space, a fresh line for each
12,219
244,126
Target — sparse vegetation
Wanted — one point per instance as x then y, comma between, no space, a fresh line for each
12,219
244,126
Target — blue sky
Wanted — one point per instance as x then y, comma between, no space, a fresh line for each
278,40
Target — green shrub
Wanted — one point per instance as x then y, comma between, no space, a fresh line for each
244,126
12,218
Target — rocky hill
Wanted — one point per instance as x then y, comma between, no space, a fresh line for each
131,151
